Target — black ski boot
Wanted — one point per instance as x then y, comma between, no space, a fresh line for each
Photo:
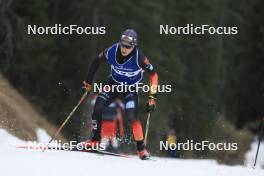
142,151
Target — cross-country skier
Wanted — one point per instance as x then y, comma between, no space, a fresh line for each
127,64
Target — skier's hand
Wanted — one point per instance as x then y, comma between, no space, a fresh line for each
86,87
151,104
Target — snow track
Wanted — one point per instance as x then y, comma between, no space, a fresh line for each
20,162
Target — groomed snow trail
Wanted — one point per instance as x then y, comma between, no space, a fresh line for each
21,162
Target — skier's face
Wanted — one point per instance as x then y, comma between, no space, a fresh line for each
126,50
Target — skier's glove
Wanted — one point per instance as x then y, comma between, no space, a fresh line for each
86,87
151,104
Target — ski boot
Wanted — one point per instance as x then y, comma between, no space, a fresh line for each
142,151
91,144
143,154
105,142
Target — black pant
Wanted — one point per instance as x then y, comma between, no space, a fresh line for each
107,97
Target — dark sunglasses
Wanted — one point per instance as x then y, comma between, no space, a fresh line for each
125,46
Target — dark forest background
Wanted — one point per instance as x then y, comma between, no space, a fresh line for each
217,80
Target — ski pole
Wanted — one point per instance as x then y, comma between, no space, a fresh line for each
260,138
147,128
66,120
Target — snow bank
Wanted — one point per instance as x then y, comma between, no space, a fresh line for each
42,136
7,140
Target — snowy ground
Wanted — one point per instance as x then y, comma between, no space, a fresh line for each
20,162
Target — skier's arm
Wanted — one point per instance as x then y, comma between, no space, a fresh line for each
146,66
94,67
92,70
153,76
153,84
